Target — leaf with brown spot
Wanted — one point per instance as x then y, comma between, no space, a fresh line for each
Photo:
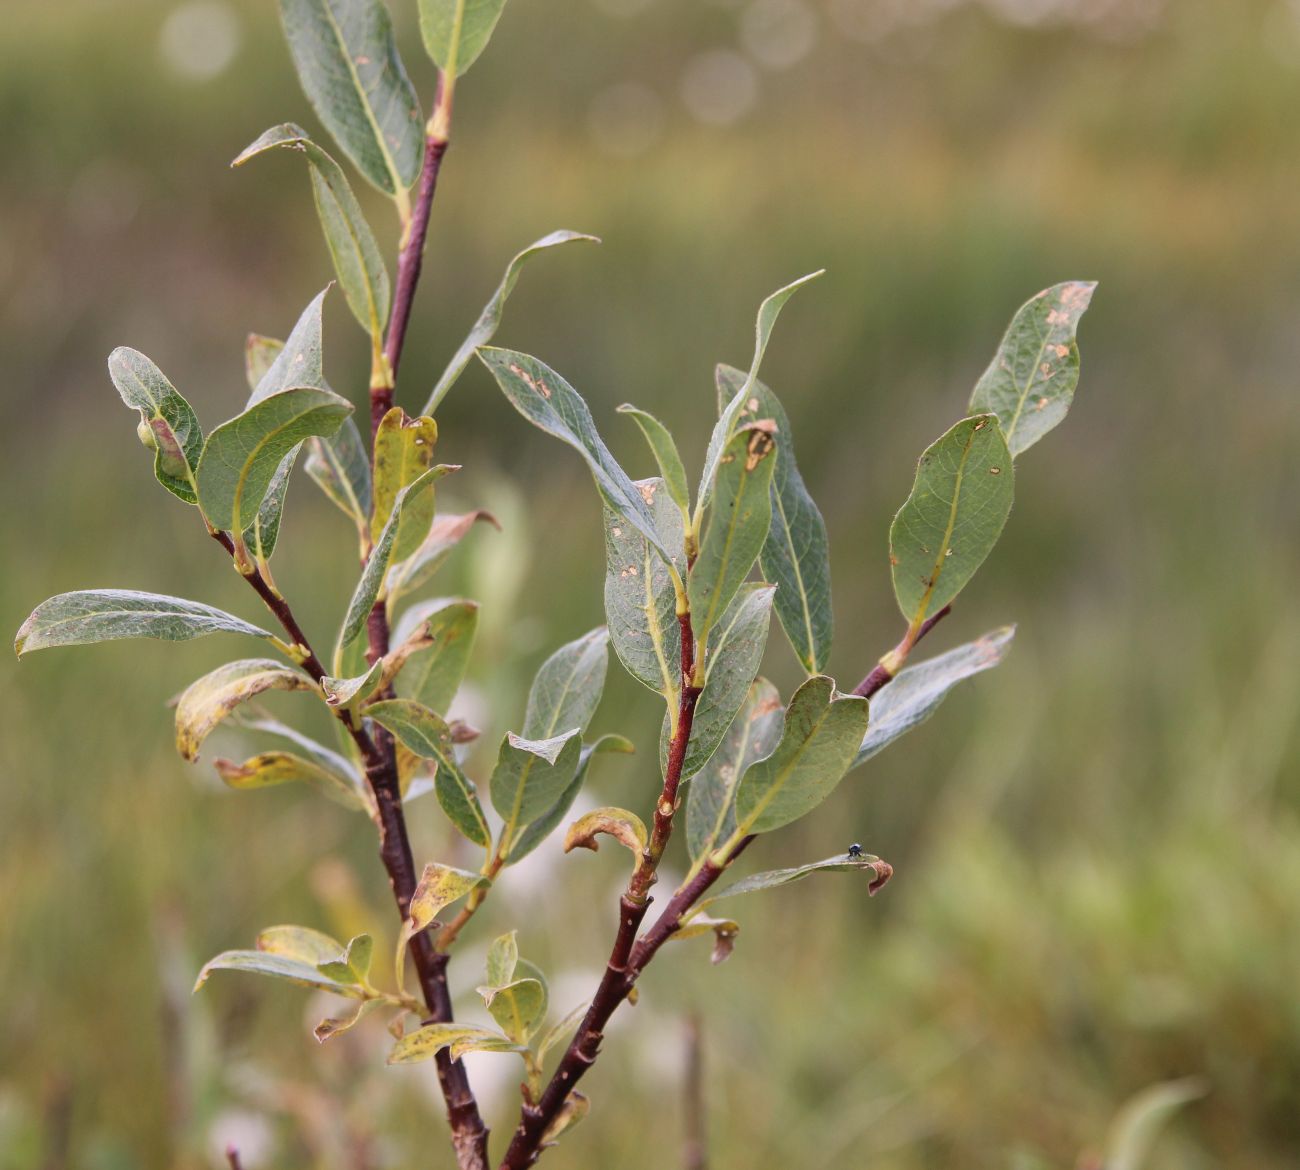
209,700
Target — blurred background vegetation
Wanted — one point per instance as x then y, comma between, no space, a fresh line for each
1097,846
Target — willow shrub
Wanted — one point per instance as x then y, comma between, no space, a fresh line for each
692,582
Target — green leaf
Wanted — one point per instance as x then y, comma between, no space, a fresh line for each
372,576
568,686
916,691
559,1031
752,736
294,954
347,692
272,768
552,405
446,627
347,61
438,888
206,702
625,827
261,536
351,965
576,1106
665,452
725,428
640,601
300,360
340,468
242,456
319,754
168,424
796,555
953,518
519,1008
502,958
546,824
1030,383
839,863
489,320
530,777
1139,1123
403,453
357,259
428,736
426,1042
724,931
729,668
456,31
821,734
107,615
447,532
737,529
259,354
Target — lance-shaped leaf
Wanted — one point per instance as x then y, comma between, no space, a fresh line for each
300,360
916,691
107,615
519,1008
796,555
729,414
545,825
576,1106
357,259
292,953
1030,383
640,601
272,768
730,665
737,529
879,872
502,958
444,631
822,732
625,827
953,518
489,320
447,532
426,1042
552,405
318,753
403,453
168,424
560,1031
260,353
347,61
568,686
347,692
241,456
424,733
261,536
530,777
207,701
661,444
456,31
438,888
710,800
340,468
367,591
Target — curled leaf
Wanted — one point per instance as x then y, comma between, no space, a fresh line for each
625,827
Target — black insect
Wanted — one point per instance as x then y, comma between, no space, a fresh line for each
855,851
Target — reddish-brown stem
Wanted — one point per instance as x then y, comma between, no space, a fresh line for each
409,263
880,674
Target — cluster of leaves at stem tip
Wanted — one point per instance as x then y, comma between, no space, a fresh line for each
691,582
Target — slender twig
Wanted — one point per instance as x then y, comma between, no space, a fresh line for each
887,667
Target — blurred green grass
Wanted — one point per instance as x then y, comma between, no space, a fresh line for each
1097,846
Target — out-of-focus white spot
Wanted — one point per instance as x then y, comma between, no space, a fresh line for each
199,39
719,87
626,119
778,33
242,1130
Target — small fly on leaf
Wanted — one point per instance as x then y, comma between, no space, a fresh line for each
855,852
